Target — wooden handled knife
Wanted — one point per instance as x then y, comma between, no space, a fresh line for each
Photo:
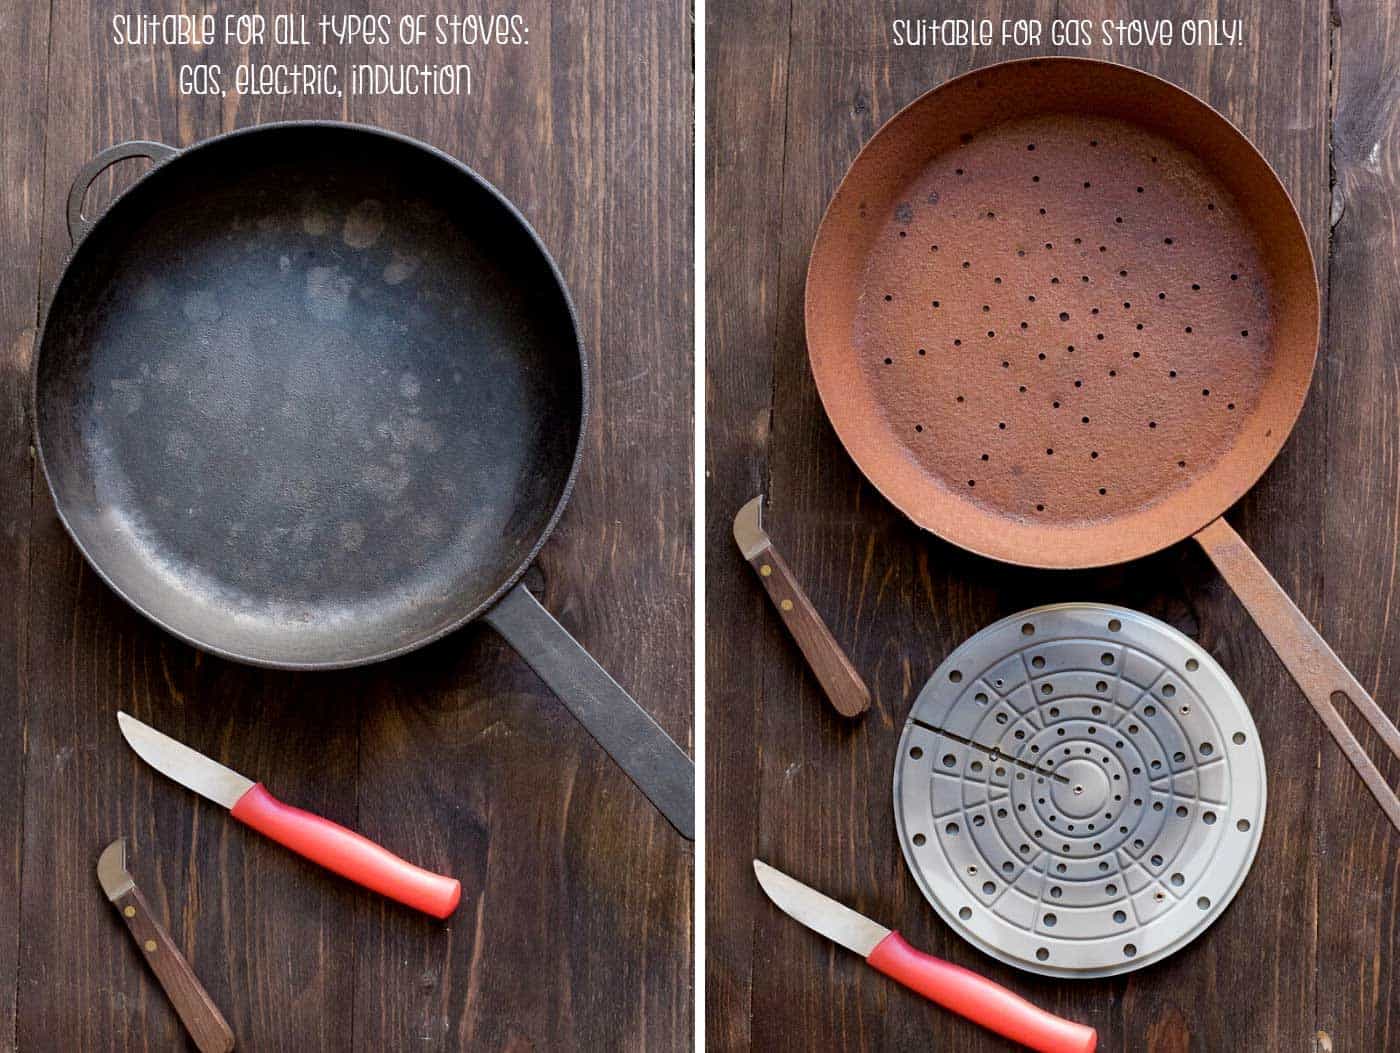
961,990
319,840
196,1009
839,679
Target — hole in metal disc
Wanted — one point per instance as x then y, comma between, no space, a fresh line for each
1242,826
1203,903
965,913
919,839
1041,954
916,752
1129,950
1208,818
1120,917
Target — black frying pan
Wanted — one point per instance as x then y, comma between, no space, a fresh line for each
313,395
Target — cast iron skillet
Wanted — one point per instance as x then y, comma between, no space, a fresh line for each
313,395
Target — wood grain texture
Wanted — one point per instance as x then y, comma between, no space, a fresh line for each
1359,911
23,60
1307,945
745,116
844,688
574,929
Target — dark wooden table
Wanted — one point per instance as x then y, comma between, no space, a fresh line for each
1305,958
574,929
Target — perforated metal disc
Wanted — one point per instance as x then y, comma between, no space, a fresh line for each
1079,790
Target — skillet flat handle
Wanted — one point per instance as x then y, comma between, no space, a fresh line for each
839,679
78,224
660,768
1310,661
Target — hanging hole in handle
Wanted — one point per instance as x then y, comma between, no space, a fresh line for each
78,223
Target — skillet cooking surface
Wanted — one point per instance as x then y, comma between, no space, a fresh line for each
312,393
1061,313
1119,285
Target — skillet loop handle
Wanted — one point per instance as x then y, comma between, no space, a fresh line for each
1308,658
78,224
638,745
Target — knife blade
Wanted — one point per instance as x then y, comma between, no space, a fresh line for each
328,844
960,990
197,1011
843,685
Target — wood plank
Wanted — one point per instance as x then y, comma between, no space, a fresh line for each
23,83
456,756
1359,384
250,918
901,600
746,90
594,950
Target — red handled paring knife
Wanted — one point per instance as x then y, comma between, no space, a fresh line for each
323,842
951,986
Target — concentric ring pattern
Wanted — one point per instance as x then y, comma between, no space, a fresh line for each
1079,790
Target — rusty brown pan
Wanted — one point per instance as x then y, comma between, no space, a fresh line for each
1061,313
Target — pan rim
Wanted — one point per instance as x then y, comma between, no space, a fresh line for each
423,640
1045,554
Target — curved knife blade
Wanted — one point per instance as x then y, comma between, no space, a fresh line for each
820,913
190,768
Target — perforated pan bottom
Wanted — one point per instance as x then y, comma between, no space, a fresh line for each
1079,790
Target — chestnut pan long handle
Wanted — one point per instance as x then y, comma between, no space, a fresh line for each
197,1010
839,679
1312,663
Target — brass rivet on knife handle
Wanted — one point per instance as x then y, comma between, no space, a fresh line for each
828,662
197,1011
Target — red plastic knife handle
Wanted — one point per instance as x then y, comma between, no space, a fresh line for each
347,853
979,999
